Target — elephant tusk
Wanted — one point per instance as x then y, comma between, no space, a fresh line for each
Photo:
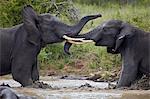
87,41
73,42
77,40
72,39
80,41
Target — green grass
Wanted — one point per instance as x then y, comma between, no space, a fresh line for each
136,15
95,57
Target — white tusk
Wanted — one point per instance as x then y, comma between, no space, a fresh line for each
87,41
74,39
80,41
73,42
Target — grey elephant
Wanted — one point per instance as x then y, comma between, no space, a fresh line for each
131,42
8,93
21,44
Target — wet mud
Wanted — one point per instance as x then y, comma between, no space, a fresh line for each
79,87
141,84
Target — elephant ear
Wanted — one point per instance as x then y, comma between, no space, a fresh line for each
30,20
126,31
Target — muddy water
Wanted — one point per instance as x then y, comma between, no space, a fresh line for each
55,82
75,89
74,94
84,94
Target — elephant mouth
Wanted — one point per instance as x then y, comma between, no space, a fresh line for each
77,40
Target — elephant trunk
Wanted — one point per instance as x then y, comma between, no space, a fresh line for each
77,28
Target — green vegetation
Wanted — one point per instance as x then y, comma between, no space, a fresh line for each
10,10
52,56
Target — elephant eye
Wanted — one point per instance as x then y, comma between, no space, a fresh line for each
108,28
104,28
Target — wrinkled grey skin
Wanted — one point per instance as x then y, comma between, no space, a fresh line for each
7,93
20,45
132,43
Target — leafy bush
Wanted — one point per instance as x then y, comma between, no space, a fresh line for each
10,10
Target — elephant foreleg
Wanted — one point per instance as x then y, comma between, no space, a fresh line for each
128,75
35,71
21,71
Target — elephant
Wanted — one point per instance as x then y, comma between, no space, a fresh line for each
8,93
132,43
21,44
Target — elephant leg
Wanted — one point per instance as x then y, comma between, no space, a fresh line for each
35,71
23,78
127,77
21,71
128,73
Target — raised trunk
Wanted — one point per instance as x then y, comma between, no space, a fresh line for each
78,27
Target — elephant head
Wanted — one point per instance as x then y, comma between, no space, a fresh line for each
47,29
111,34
